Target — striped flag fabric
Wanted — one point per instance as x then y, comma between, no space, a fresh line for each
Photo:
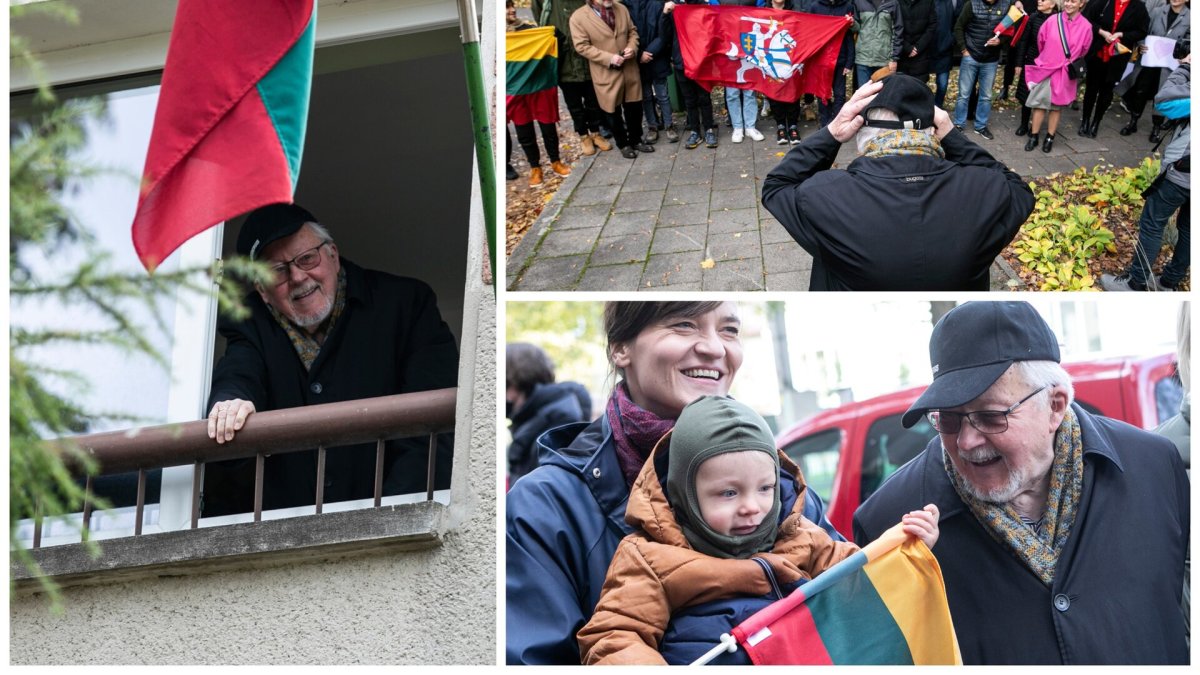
1014,15
782,54
229,127
531,75
885,604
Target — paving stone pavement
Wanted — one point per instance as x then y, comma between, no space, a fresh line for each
650,223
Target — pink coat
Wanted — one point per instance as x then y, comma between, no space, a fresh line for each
1052,62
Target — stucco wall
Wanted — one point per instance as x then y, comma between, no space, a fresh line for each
371,609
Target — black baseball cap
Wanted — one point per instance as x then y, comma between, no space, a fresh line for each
972,346
906,96
270,223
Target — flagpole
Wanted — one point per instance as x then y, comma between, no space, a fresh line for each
728,644
479,122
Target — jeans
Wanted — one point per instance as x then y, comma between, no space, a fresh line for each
697,103
655,91
941,81
742,106
862,75
827,111
967,74
1165,199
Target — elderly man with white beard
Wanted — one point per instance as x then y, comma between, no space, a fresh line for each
1063,534
322,330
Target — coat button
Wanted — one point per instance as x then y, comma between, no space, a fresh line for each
1062,603
596,472
316,387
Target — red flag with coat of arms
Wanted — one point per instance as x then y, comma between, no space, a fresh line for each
782,54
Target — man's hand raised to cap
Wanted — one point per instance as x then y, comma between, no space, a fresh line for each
848,121
227,418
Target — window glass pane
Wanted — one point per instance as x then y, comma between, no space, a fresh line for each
1168,397
817,456
889,446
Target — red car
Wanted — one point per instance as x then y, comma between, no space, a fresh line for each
848,451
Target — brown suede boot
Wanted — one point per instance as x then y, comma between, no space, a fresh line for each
560,168
601,143
535,176
589,148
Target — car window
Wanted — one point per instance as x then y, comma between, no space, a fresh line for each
889,446
1168,396
817,456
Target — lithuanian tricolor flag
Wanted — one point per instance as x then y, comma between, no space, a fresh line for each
229,128
531,75
885,604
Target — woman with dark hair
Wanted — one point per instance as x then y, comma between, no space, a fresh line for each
536,403
1171,20
565,519
1117,27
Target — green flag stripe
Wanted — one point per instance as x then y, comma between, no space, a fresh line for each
526,77
855,624
285,91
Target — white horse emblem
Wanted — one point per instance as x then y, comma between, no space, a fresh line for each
767,48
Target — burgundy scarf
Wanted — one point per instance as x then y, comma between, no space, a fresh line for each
606,13
635,431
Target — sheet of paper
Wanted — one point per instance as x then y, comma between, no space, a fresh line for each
1158,53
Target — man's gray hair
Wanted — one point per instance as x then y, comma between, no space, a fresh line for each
1045,374
319,230
866,134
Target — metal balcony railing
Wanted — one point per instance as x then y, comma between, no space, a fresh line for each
268,433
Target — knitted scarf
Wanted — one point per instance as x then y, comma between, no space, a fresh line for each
307,348
1037,549
904,142
635,431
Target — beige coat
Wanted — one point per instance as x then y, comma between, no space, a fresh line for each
598,43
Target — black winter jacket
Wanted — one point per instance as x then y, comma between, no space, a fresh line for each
976,25
900,223
389,339
920,31
548,406
1027,45
1117,585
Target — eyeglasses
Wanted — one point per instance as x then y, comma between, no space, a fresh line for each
985,421
307,260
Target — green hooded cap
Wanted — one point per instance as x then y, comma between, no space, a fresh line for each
707,427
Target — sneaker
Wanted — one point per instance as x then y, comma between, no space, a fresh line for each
781,135
588,148
960,128
986,133
754,134
628,152
794,136
672,135
1120,283
560,168
510,173
643,147
693,141
601,144
652,136
1163,286
710,138
737,136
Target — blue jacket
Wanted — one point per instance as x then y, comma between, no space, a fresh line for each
835,8
1118,582
648,17
563,523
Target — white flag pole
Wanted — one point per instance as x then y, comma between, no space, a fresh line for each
728,644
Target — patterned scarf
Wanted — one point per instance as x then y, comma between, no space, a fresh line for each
1038,547
635,431
606,14
307,348
904,142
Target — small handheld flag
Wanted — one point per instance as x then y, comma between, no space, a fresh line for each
1014,15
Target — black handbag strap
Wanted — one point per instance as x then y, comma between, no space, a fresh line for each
1062,36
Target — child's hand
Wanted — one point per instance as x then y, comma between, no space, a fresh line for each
922,524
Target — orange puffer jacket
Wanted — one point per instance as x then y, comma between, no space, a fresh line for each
655,572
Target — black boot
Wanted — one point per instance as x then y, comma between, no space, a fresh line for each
1156,134
1095,128
1031,143
1048,144
1024,128
1130,128
1084,125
